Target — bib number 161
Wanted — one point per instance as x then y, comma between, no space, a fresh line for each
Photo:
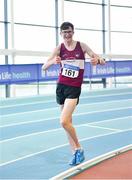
70,72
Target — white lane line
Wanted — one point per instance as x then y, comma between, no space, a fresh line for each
57,117
33,154
80,105
38,133
48,131
100,127
56,147
26,103
50,119
109,120
49,101
29,122
31,134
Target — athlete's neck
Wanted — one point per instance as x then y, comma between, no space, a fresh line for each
70,45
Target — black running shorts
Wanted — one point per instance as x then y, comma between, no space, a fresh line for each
65,91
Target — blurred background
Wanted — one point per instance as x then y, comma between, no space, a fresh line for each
29,31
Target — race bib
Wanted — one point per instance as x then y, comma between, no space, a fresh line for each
70,71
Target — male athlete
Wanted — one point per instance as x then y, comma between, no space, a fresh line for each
71,56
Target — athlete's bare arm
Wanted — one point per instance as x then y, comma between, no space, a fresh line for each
95,59
53,59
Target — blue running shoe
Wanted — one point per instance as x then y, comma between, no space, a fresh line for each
73,161
79,156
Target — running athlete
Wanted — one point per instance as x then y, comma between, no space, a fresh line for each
71,56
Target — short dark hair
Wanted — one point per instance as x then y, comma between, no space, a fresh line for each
66,25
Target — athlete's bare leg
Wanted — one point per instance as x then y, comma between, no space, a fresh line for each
71,142
66,121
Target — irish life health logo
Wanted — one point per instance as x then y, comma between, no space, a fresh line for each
53,73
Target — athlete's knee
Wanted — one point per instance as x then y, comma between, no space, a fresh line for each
64,122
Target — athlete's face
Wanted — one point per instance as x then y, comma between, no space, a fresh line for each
67,34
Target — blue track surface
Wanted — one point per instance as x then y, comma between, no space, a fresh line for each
34,146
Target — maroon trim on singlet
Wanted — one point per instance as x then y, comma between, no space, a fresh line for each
76,54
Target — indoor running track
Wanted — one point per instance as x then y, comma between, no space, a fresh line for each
34,146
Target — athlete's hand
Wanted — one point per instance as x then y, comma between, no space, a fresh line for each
101,61
97,60
94,61
57,60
